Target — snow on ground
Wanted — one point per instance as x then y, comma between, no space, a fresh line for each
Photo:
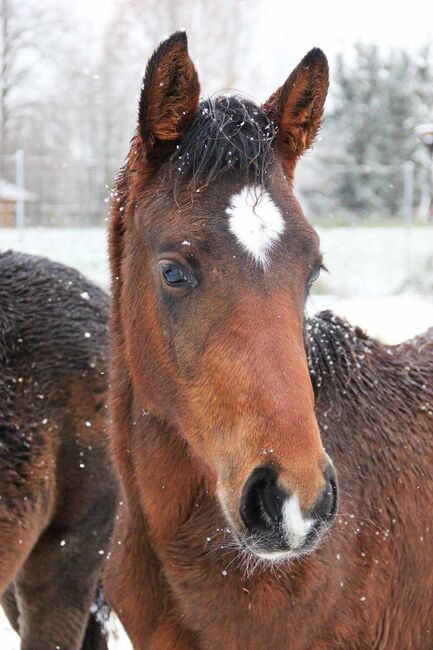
390,318
8,639
373,262
380,278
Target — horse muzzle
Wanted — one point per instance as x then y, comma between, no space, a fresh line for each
276,527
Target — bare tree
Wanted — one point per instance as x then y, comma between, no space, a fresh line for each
221,42
69,98
20,53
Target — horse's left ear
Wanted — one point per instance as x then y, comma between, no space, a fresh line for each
170,94
296,108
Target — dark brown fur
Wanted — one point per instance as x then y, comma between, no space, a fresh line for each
57,490
205,384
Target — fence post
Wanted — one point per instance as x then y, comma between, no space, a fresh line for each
408,168
19,182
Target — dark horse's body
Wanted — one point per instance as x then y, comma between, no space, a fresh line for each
57,492
225,454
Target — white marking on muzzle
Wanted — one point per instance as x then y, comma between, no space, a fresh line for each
275,556
296,527
256,222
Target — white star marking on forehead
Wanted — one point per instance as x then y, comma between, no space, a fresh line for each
256,222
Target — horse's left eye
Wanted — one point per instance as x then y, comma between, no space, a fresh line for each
314,275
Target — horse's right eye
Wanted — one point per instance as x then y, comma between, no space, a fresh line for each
174,276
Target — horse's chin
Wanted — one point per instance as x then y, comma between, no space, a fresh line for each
273,557
277,555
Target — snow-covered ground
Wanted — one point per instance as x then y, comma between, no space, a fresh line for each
380,278
8,639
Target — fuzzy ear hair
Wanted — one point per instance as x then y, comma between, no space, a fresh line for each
170,93
296,108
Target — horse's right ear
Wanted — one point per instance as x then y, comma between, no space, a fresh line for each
169,95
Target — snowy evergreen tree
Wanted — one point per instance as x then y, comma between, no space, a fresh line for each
376,102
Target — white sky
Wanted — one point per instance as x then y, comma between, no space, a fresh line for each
289,28
335,25
330,24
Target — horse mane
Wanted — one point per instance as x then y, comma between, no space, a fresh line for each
348,367
335,349
227,133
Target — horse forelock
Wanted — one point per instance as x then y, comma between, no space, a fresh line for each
226,134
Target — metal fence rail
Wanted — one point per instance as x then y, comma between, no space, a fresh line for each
69,193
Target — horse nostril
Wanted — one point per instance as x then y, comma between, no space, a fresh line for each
326,507
261,500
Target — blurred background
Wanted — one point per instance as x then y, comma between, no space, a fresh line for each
70,73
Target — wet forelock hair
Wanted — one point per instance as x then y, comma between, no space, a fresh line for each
226,134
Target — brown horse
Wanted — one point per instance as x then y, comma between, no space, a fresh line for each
57,489
227,488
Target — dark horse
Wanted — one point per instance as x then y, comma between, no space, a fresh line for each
227,489
57,490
